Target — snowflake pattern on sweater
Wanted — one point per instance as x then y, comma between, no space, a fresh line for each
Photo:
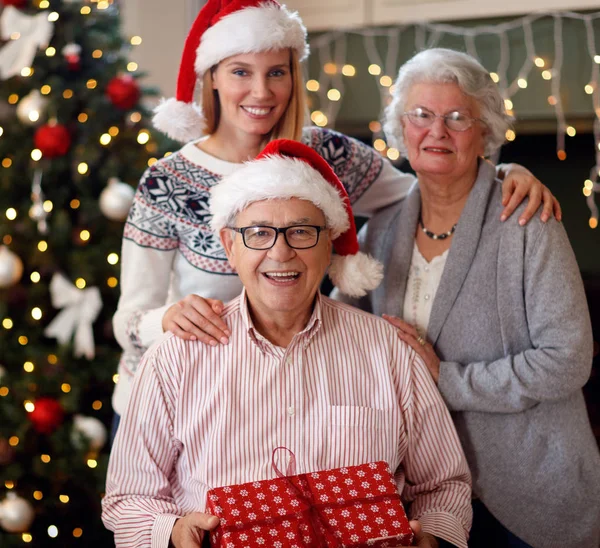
171,208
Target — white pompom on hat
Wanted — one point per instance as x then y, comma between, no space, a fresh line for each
224,28
289,169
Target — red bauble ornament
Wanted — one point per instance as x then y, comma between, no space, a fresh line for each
53,140
72,54
15,3
123,92
47,415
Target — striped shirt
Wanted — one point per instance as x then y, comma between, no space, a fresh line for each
345,391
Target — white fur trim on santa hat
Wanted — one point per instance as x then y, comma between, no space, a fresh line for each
180,121
354,275
276,177
252,29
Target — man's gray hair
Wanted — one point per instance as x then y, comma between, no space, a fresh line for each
444,66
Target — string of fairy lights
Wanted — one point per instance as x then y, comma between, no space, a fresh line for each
326,89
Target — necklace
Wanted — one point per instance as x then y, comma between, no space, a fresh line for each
435,236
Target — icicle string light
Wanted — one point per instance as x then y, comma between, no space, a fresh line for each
331,48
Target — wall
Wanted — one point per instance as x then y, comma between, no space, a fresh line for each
163,28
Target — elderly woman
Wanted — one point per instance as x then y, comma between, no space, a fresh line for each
496,310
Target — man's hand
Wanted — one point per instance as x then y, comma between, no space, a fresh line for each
188,531
424,540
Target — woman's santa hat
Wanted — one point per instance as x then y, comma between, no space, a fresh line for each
289,169
224,28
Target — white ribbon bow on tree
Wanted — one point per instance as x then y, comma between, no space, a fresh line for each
34,31
81,308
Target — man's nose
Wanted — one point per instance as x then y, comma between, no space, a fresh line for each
281,251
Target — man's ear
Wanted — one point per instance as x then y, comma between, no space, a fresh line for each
227,235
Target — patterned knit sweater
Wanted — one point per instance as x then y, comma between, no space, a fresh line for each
169,250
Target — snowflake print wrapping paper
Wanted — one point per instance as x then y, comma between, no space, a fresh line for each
351,507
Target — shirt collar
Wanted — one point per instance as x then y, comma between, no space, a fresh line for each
314,324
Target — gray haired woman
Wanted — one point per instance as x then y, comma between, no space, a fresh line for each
496,310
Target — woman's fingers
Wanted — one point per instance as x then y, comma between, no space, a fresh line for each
196,318
556,210
517,196
401,324
413,343
191,331
507,189
207,308
533,203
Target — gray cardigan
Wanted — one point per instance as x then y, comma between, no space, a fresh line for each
511,326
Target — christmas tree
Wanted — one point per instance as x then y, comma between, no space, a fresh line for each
74,140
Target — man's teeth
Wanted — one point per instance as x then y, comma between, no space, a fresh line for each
282,275
257,111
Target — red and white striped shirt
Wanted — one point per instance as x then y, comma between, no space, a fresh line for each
346,391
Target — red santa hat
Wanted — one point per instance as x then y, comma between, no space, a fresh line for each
289,169
224,28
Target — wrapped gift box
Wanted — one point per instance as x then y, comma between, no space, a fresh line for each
356,506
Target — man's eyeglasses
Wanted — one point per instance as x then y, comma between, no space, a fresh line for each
456,121
264,237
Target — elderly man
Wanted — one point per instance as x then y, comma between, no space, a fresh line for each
331,383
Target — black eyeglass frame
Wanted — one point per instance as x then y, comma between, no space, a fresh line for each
444,117
283,230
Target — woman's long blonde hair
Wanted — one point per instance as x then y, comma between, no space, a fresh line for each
289,125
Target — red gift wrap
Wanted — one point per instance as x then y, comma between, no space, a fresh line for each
351,507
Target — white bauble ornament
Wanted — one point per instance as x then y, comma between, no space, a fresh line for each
31,109
16,514
37,212
11,267
116,200
92,429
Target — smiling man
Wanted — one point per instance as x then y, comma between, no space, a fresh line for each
333,384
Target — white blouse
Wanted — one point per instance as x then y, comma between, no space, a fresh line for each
421,287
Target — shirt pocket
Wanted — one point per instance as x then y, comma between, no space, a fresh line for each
357,435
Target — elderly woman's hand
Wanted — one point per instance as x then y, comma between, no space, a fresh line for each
519,183
424,349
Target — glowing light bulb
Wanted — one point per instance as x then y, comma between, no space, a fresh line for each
379,145
143,137
374,69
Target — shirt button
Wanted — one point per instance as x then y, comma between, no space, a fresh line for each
426,269
291,411
426,297
290,361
